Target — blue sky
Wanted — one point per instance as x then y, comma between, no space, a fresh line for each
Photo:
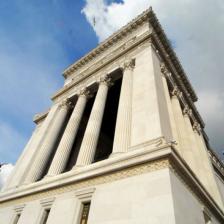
39,39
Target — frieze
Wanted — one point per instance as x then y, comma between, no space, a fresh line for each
95,67
74,87
171,161
124,173
113,39
158,35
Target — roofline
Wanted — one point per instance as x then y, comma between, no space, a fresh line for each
146,15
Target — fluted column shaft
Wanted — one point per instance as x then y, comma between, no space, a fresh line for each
192,150
181,127
40,162
165,76
123,123
90,139
65,146
207,166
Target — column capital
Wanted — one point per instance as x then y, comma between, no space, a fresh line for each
85,92
164,70
106,80
66,103
187,110
176,91
128,65
197,127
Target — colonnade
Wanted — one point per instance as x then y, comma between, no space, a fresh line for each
185,129
91,136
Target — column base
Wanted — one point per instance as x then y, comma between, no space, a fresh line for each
49,176
76,167
115,154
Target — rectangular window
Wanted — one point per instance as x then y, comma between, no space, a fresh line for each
45,216
85,213
16,219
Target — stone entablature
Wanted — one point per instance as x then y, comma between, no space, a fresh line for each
146,17
108,64
83,65
110,55
217,163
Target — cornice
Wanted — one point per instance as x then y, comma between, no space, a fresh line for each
217,163
120,34
150,17
170,56
113,57
184,100
40,116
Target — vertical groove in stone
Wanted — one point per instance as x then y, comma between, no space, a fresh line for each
181,128
39,139
123,123
192,147
47,146
90,139
65,146
171,113
208,170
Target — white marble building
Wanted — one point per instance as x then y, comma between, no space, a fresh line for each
122,143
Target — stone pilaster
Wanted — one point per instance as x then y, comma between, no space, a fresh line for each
208,170
123,123
65,146
47,147
165,75
180,124
90,139
150,119
192,151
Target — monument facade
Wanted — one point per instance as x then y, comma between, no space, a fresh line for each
122,142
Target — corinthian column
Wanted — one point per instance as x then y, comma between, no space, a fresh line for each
47,147
65,146
90,139
123,123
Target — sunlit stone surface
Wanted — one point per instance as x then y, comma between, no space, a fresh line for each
122,143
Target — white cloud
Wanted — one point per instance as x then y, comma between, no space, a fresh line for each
195,28
5,172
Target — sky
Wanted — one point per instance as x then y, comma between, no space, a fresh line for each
39,39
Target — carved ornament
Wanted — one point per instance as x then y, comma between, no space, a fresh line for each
106,80
85,92
129,65
66,103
